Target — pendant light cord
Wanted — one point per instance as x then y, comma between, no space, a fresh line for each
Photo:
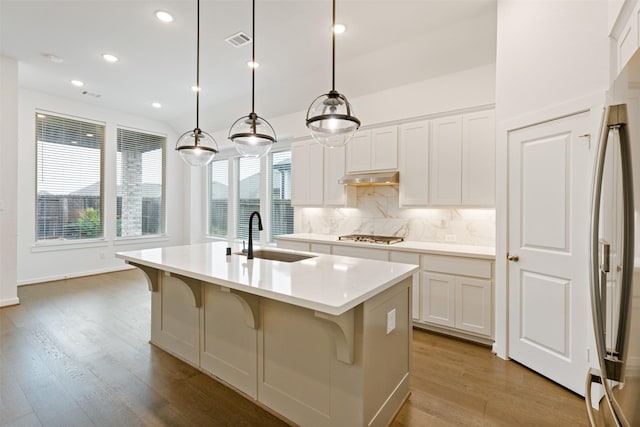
198,69
333,48
253,67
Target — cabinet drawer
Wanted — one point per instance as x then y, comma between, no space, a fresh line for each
367,253
321,248
294,246
404,257
457,265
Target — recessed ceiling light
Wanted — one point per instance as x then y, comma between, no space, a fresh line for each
339,28
253,64
195,88
164,16
156,105
77,83
109,58
53,58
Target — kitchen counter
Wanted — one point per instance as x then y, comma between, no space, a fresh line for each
322,341
484,252
326,283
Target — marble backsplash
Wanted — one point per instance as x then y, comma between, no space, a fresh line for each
377,212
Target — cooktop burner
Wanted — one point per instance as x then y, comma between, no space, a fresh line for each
368,238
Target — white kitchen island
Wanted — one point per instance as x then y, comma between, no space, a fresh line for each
321,341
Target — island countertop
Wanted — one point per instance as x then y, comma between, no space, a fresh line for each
326,283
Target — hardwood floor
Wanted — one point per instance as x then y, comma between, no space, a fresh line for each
76,353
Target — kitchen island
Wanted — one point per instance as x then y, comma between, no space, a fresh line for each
322,340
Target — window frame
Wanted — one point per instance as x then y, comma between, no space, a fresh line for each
47,244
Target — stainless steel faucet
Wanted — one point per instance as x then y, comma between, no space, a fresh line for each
250,250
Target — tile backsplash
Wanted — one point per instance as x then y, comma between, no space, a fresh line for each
377,212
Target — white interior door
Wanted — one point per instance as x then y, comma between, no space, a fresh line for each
549,192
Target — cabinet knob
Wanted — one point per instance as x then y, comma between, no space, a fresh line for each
514,258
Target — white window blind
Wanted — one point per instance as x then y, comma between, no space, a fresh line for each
140,177
218,198
281,209
69,191
249,178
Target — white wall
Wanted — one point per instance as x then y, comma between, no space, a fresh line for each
38,263
8,179
551,56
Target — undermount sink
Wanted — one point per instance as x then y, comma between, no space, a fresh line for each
277,255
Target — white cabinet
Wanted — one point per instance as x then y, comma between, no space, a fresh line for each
368,253
413,164
320,248
293,245
410,258
457,292
307,171
462,160
478,159
373,150
334,169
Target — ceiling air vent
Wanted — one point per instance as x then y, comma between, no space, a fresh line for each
238,40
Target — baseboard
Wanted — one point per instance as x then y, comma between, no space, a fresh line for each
486,341
74,275
9,301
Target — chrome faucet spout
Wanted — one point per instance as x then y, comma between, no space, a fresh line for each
250,248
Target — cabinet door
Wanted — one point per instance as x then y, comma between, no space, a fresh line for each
474,305
384,148
315,174
334,169
437,299
359,152
320,248
446,161
478,159
414,164
299,174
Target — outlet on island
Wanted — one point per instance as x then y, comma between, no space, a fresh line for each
391,321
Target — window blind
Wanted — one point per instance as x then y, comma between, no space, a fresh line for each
281,209
218,198
69,193
139,179
249,178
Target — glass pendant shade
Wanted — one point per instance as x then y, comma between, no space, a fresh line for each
331,119
197,148
252,136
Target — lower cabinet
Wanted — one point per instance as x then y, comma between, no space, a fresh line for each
457,293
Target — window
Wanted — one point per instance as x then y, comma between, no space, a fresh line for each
69,194
281,209
249,178
140,176
218,198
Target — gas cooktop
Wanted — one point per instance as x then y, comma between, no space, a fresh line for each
369,238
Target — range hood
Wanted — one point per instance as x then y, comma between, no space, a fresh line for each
378,178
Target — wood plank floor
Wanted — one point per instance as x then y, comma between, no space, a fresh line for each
76,353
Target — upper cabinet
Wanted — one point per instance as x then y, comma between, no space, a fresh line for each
307,164
413,164
334,169
462,160
373,150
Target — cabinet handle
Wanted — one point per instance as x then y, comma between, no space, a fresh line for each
514,258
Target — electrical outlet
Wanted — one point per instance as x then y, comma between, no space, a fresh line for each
391,321
450,238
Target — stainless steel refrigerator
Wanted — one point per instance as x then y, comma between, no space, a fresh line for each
614,386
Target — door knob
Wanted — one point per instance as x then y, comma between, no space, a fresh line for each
514,258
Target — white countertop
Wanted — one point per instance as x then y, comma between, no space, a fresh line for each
326,283
485,252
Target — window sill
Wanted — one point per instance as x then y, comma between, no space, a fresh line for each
63,245
120,241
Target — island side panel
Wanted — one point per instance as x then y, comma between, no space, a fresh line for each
175,320
387,352
229,345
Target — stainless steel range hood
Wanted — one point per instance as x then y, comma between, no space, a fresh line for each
378,178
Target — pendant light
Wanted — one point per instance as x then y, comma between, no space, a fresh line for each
197,147
252,135
330,117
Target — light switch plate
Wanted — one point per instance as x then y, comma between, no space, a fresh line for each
391,321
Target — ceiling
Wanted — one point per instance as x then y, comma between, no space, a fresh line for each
388,43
